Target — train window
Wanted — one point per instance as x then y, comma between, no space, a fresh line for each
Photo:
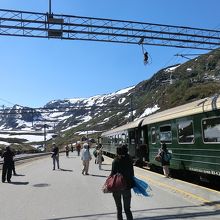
153,135
211,130
132,137
115,140
166,134
185,132
123,138
111,140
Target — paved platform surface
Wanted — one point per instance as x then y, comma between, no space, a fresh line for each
39,193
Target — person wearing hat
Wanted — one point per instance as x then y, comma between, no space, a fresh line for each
7,164
55,156
123,164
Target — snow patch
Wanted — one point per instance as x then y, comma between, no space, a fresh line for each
120,101
171,69
86,132
149,111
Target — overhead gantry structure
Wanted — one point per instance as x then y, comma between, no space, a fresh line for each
68,27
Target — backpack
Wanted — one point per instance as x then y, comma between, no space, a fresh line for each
167,156
95,153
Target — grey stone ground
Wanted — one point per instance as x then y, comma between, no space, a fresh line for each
39,193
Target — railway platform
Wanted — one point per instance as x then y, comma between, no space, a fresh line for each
41,193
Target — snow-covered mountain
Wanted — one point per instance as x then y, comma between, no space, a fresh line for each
169,87
86,115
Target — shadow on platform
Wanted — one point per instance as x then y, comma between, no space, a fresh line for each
106,170
213,203
98,175
41,185
147,216
19,183
18,175
61,169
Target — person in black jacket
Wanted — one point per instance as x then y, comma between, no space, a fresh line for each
55,156
7,164
164,163
123,164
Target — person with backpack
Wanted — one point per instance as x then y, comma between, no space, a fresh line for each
123,164
165,159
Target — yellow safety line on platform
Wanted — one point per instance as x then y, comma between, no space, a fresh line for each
182,192
202,187
175,189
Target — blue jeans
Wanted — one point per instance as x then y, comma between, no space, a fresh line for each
56,160
126,195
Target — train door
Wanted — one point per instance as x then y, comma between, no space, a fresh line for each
132,142
144,146
135,142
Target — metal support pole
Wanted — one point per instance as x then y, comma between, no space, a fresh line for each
45,137
49,7
131,108
32,116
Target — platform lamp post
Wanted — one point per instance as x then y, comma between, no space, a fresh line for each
131,108
45,137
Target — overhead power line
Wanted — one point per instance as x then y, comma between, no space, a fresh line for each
68,27
186,56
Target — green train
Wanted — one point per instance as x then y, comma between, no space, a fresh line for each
191,132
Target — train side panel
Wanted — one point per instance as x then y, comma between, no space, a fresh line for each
193,140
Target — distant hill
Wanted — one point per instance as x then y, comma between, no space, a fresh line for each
73,118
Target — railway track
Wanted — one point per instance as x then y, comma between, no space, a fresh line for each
22,158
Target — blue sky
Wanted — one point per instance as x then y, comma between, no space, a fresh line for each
36,71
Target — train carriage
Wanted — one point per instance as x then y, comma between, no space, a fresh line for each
128,134
191,132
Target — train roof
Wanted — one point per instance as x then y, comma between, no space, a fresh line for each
196,107
130,125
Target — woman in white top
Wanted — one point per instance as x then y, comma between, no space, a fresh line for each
85,157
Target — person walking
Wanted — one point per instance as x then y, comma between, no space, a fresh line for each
7,164
78,148
67,150
85,157
13,168
95,153
55,156
165,159
123,164
99,157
